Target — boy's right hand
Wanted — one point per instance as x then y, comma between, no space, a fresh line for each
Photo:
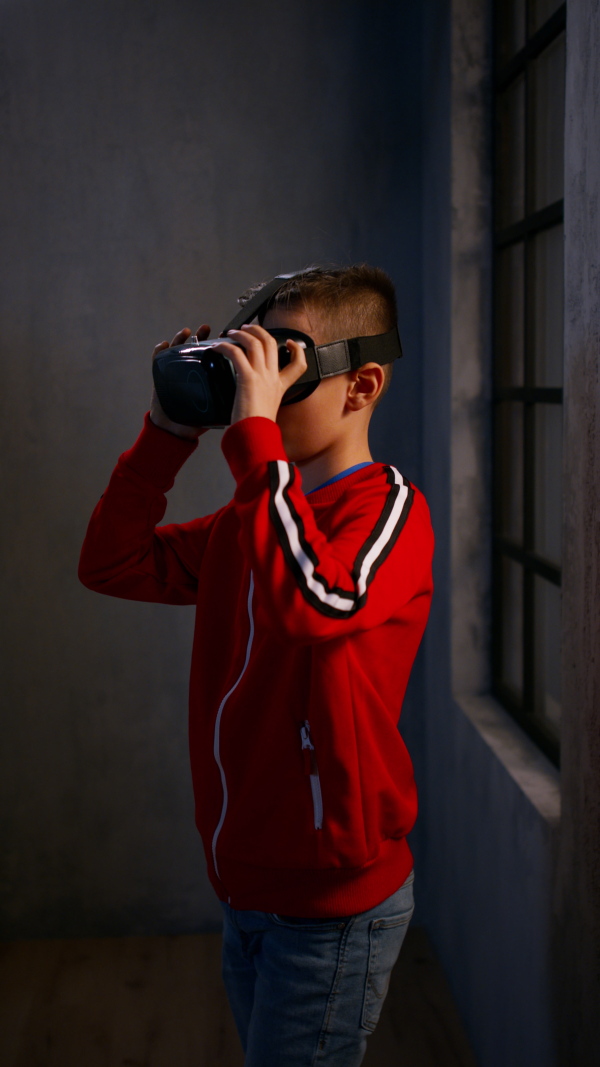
157,414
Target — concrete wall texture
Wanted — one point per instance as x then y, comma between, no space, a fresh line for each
511,894
484,849
578,873
157,159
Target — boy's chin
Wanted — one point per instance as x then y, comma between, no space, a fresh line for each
293,450
290,451
296,433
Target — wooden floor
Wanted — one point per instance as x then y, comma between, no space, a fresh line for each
160,1002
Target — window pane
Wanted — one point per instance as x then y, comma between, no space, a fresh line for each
509,315
547,256
509,470
510,29
548,480
539,11
511,606
547,653
548,91
510,148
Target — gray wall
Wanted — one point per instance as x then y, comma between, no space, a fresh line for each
485,840
509,858
156,159
578,880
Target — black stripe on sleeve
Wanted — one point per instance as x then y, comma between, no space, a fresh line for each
295,566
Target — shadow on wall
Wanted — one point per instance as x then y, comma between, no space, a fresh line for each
157,160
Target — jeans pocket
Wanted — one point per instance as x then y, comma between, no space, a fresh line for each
385,941
298,923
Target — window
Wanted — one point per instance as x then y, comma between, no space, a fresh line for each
528,361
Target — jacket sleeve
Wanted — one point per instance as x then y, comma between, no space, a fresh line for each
318,587
125,554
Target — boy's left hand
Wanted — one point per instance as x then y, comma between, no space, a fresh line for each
260,384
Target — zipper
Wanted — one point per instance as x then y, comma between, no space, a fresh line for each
217,738
310,768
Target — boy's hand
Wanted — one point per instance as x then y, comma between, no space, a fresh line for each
157,414
260,384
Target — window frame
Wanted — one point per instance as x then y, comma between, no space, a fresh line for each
525,230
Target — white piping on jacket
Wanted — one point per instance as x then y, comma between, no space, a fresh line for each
216,749
334,600
315,781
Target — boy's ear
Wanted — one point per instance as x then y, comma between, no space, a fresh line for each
365,385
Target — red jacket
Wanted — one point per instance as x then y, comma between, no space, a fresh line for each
309,616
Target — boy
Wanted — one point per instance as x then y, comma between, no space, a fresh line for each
312,589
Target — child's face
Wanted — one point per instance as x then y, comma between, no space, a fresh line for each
314,425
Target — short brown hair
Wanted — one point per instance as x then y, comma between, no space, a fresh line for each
358,301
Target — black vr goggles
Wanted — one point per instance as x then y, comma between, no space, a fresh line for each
196,385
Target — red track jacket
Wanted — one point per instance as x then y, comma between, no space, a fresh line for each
308,620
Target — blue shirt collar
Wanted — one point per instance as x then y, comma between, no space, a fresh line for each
342,474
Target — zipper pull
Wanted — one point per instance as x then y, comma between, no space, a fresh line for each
308,749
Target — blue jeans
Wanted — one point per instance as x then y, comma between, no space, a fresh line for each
309,991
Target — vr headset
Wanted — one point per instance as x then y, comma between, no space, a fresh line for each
196,385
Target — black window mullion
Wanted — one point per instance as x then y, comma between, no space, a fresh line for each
530,225
529,394
497,640
534,394
529,560
528,406
534,45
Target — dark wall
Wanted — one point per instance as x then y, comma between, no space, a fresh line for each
157,159
577,900
483,844
436,391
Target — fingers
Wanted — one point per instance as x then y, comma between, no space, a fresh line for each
201,333
235,354
256,331
297,365
159,348
180,338
177,340
260,349
259,346
247,355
